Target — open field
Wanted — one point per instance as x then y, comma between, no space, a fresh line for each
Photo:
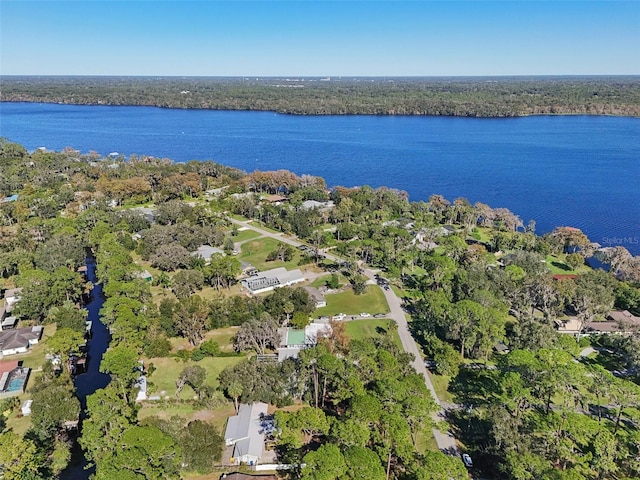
347,302
217,416
168,370
256,251
372,328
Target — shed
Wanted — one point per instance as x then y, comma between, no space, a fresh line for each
26,407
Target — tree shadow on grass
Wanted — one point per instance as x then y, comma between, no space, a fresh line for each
561,266
474,386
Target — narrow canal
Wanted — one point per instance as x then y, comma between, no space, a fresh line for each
92,380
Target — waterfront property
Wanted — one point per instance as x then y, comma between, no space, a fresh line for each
246,433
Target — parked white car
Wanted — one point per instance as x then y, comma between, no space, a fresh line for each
466,459
339,316
365,314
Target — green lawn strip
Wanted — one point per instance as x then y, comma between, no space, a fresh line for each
256,251
426,442
347,302
168,370
441,386
244,235
372,328
322,281
262,226
18,424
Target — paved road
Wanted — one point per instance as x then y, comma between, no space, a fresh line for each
446,442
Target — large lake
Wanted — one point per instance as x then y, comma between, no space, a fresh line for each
579,171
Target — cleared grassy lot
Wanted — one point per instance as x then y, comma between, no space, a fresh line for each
222,336
347,302
373,328
256,251
167,371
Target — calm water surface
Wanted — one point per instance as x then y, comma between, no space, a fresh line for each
563,170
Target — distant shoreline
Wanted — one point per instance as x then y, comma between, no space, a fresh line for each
476,97
577,114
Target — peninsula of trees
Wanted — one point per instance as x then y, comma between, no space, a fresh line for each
511,324
454,96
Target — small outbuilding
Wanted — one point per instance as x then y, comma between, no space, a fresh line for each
26,407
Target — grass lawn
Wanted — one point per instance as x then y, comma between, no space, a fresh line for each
168,370
245,235
255,252
426,442
222,336
34,358
322,281
347,302
371,328
217,417
441,385
18,425
557,266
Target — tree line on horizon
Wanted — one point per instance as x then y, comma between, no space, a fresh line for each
455,96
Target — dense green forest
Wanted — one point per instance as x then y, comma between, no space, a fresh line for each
454,96
483,293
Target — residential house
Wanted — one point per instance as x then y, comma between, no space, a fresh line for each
317,296
293,340
570,325
245,431
19,340
206,252
618,321
311,204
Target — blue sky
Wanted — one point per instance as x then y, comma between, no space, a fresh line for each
311,38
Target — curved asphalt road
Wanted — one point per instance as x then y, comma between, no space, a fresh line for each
446,442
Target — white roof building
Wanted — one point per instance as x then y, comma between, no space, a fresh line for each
267,281
246,433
